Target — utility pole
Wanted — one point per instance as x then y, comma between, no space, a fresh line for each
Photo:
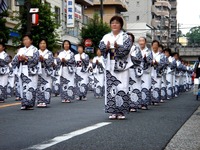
27,4
161,24
101,3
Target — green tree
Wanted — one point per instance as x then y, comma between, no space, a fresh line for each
95,30
193,36
47,24
4,31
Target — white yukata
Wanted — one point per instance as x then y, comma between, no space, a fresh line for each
178,77
67,75
99,78
11,81
45,77
90,77
4,72
81,75
170,77
164,82
135,72
56,77
28,73
156,76
117,62
146,77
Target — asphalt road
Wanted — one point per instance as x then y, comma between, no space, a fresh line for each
144,130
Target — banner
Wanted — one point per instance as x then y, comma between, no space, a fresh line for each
78,12
70,13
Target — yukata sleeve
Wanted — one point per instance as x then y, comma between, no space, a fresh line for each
5,61
149,58
71,61
49,62
15,62
33,61
102,47
86,61
123,50
162,62
136,58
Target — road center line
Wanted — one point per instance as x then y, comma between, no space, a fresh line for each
9,105
66,137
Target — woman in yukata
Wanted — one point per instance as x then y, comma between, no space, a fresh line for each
45,77
26,65
81,75
67,73
115,47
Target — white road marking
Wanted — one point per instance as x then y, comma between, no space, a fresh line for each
66,137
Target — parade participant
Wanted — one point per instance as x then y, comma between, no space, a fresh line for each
27,59
184,79
18,82
98,70
115,47
67,73
56,77
4,71
146,77
177,74
135,73
44,90
163,74
81,75
11,79
90,76
170,73
156,73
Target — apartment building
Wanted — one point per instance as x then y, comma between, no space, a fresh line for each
58,7
110,8
154,19
173,21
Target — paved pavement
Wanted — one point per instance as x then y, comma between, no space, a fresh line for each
76,126
188,137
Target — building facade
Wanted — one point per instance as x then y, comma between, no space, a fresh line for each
110,8
154,19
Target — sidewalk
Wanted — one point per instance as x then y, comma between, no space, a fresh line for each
188,137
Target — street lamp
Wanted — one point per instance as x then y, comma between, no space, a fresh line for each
27,5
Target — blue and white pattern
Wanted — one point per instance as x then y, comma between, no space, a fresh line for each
67,75
4,72
135,72
28,74
44,87
81,75
146,77
99,79
117,99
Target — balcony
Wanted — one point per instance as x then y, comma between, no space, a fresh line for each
159,12
84,2
155,23
162,3
173,5
120,4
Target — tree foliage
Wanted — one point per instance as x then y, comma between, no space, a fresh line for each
95,30
4,31
194,36
47,24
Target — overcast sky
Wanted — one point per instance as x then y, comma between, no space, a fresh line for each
188,13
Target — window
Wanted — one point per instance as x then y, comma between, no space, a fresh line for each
137,18
138,3
57,12
9,3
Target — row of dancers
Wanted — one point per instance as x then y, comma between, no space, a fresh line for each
130,75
